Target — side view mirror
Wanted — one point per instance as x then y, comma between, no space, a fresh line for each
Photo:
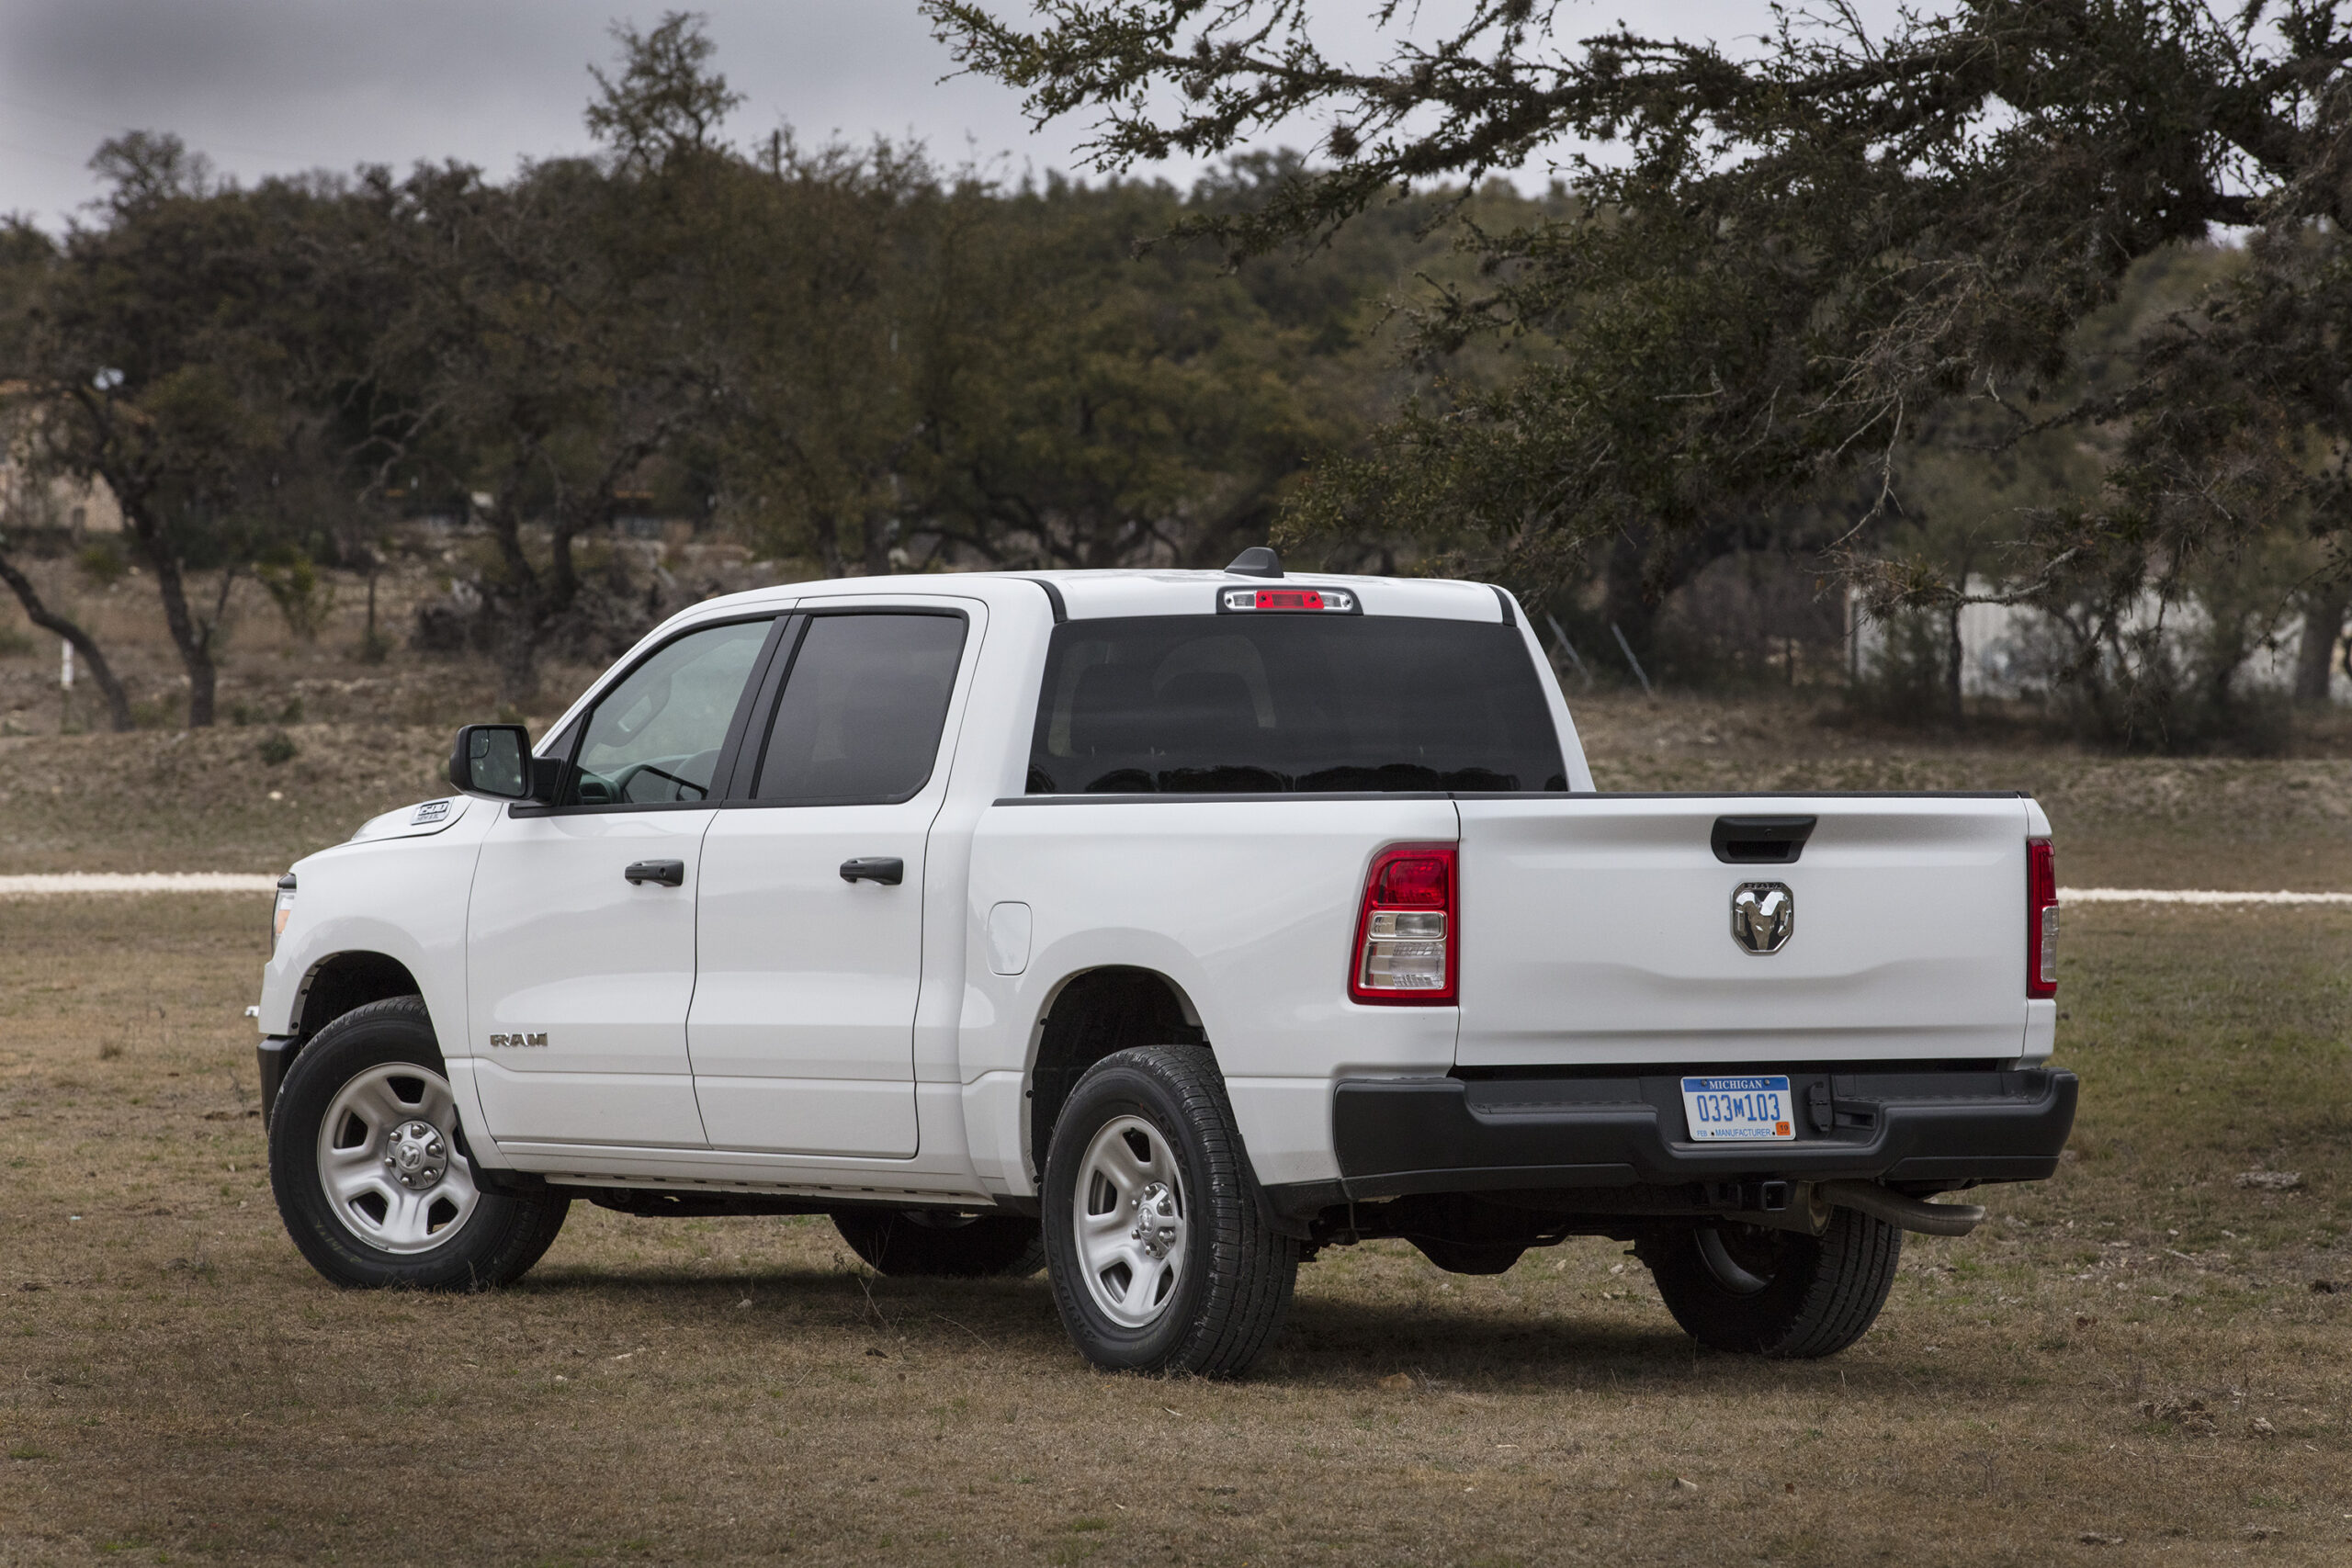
493,760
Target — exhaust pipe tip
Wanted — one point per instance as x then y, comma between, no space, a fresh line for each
1896,1209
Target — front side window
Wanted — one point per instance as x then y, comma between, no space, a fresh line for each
1274,703
655,737
860,719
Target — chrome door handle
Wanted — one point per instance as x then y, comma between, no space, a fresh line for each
888,870
668,872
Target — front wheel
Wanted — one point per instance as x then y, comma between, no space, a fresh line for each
370,1177
1158,1252
1775,1292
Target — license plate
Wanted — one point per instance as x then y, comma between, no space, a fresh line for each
1739,1110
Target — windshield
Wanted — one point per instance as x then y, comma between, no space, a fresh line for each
1271,704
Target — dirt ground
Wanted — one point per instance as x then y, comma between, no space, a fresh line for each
2134,1363
211,800
270,676
315,737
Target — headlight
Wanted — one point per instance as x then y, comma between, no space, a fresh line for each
283,912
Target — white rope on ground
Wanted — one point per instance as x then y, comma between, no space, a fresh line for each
136,882
2183,896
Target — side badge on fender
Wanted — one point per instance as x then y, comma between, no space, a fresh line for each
1763,916
499,1041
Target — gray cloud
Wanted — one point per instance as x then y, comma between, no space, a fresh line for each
266,86
269,85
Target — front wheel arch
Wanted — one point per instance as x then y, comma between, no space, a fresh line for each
343,982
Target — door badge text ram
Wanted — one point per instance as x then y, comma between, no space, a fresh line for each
499,1041
1763,916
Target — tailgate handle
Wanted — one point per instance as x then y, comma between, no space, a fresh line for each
1761,840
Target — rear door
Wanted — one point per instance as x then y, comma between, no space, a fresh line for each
802,1032
1607,928
580,954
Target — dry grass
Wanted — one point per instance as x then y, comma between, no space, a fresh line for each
266,675
206,801
2215,822
2132,1351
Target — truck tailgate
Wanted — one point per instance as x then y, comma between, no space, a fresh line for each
1597,929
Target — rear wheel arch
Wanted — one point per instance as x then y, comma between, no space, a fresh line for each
1093,1014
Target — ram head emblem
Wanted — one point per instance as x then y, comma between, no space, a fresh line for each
1763,916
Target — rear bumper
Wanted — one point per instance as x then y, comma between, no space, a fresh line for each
1943,1127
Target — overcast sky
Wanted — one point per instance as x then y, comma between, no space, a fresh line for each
267,86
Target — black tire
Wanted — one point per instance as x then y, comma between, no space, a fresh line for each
488,1239
1233,1273
943,1245
1775,1292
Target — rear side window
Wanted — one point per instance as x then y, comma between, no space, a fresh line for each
1272,704
861,711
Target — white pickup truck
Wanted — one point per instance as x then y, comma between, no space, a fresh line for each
1159,929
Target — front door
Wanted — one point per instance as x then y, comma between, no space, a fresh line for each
803,1024
581,930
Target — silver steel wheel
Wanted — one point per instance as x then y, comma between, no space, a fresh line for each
1129,1218
389,1162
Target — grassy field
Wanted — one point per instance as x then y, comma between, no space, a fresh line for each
211,800
2133,1362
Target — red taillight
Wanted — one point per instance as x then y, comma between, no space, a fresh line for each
1405,951
2040,919
1289,599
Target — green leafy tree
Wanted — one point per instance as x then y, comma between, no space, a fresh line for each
1777,267
924,368
845,285
188,348
1116,409
2242,419
556,337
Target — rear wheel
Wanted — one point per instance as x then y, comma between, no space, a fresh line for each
1160,1257
940,1243
1776,1293
368,1163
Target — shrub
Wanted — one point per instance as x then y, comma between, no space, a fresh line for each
103,562
303,598
1904,676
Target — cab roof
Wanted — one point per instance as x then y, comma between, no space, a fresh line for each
1091,595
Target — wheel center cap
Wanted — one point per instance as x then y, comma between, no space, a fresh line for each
417,1155
1157,1224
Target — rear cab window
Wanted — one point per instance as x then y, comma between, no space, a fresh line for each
1280,703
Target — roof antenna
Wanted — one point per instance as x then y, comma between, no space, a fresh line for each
1258,560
